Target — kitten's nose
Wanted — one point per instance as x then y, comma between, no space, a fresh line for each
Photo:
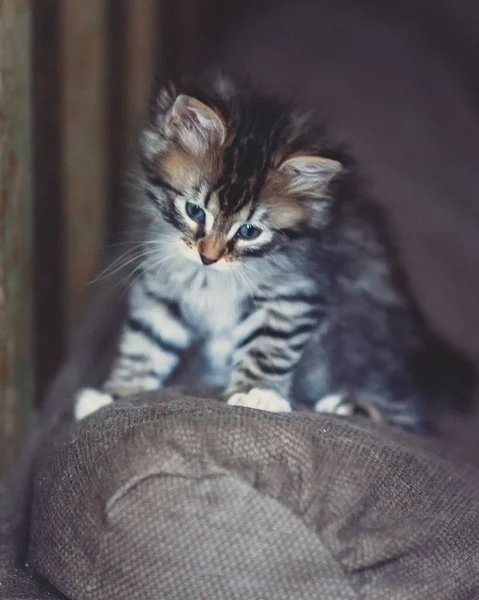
206,260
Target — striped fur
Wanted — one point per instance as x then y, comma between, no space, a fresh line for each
313,306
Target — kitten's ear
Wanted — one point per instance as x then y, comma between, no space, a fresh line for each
196,125
309,175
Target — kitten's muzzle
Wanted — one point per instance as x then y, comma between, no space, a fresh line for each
207,260
211,248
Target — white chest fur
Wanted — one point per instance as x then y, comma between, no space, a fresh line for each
209,301
209,304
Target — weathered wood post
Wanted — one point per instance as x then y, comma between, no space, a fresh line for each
16,373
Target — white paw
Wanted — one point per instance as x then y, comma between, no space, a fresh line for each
89,401
335,404
262,399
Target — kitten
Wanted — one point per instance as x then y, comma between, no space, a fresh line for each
262,250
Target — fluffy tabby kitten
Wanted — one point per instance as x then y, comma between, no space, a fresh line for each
261,249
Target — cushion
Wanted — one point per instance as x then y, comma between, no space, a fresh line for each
184,498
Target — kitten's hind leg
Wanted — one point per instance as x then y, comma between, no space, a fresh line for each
335,404
402,414
346,405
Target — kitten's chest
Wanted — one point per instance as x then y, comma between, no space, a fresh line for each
211,306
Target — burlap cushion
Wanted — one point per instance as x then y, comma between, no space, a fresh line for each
173,498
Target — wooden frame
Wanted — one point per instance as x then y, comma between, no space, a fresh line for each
16,363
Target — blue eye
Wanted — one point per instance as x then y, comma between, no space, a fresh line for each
248,232
195,212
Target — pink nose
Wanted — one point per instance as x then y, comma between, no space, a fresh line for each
206,260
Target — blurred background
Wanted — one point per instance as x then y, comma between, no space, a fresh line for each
398,82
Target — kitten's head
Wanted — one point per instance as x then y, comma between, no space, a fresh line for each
233,174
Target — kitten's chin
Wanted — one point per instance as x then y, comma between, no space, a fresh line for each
221,265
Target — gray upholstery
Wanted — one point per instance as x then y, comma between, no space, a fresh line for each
170,497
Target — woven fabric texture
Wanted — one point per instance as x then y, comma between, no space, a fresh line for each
178,498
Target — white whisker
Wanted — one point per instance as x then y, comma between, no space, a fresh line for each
123,261
237,270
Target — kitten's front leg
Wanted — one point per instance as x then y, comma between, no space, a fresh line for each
270,345
152,341
148,352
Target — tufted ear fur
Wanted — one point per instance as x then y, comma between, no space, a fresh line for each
194,124
310,175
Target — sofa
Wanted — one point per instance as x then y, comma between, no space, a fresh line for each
175,495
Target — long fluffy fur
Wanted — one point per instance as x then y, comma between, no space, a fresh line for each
318,307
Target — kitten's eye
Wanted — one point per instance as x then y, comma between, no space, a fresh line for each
248,232
195,212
